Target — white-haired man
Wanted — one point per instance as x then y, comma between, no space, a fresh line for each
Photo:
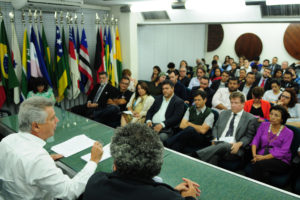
27,171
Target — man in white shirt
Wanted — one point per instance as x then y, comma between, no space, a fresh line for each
196,80
232,132
27,171
221,100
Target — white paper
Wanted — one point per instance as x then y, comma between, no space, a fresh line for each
73,145
128,112
106,154
227,139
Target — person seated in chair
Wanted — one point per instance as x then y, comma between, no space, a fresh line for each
248,85
138,157
232,132
222,83
166,111
204,82
196,125
271,146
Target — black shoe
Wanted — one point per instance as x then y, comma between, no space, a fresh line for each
194,155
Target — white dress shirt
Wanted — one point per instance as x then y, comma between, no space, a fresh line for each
194,82
27,171
222,97
270,96
231,139
159,116
209,120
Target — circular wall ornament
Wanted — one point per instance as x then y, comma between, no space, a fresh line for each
291,40
248,45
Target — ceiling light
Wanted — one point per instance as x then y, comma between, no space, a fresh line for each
281,2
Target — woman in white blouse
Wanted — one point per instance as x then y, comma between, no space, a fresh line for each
272,95
140,102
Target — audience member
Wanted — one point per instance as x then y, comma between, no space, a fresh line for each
271,146
278,75
155,73
246,66
256,72
41,88
139,103
183,79
265,80
273,66
217,74
273,94
196,80
204,81
166,111
241,61
256,62
225,63
234,72
242,77
138,157
155,86
133,82
284,66
288,100
265,65
97,99
232,132
179,88
288,82
257,106
196,125
221,99
222,83
171,67
27,171
248,85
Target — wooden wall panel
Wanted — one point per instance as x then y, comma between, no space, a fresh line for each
248,45
215,36
291,40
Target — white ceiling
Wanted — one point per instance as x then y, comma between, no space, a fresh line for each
116,2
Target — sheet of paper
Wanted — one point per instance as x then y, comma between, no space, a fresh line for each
128,112
106,154
73,145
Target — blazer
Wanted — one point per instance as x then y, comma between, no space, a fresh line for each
249,95
265,106
114,186
109,92
180,91
215,85
274,67
174,112
245,130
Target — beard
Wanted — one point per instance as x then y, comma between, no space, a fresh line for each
232,90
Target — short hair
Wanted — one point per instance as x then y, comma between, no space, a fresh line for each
201,93
40,81
171,65
168,82
284,113
250,73
103,73
137,151
239,95
256,58
254,67
243,70
214,62
288,73
226,72
293,94
233,79
258,92
267,60
126,72
275,57
274,81
267,68
175,72
200,68
186,64
33,110
204,77
125,78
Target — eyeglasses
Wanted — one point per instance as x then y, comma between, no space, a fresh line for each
286,97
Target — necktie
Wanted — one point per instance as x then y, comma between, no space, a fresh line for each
97,96
231,127
262,83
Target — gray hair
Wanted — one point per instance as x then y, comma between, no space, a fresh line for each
33,110
239,95
137,151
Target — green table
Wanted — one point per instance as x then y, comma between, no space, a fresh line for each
215,183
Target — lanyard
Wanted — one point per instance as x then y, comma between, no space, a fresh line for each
269,132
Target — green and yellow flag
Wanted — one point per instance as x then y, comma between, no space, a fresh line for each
25,65
118,54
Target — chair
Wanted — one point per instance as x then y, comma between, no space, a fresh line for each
283,180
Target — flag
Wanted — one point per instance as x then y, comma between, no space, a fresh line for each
62,79
25,66
37,64
16,61
45,49
77,40
99,53
68,92
111,73
118,54
86,83
75,75
106,51
2,93
113,57
8,76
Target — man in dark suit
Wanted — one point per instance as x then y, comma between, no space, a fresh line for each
265,80
204,82
274,66
288,82
232,132
166,111
98,98
247,86
222,83
179,88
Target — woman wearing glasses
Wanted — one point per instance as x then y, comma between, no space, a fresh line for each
288,100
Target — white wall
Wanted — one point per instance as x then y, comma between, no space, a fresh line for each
161,44
271,35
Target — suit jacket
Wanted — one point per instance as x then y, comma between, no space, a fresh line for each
274,67
249,95
245,131
115,186
109,92
180,91
174,112
291,84
216,84
267,85
185,81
